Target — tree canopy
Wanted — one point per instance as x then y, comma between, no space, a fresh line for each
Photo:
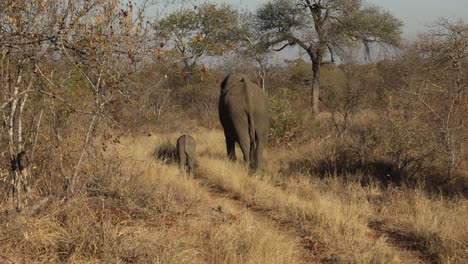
192,33
322,27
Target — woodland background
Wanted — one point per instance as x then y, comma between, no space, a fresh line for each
360,122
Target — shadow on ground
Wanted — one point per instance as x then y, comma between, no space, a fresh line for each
166,153
383,172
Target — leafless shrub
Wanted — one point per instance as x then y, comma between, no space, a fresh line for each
347,97
435,92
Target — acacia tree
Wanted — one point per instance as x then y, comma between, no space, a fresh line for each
189,34
324,27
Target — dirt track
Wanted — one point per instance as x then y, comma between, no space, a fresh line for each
233,207
311,249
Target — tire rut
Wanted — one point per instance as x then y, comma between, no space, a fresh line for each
408,247
409,244
311,251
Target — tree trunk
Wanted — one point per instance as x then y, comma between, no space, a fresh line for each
315,86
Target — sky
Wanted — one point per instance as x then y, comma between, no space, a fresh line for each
415,14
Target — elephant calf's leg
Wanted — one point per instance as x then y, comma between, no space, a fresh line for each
182,161
190,164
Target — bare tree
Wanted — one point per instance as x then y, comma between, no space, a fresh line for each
438,86
97,42
350,95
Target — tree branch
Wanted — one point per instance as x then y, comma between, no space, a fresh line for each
24,43
283,47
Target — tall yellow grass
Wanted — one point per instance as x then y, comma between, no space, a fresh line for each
340,213
148,212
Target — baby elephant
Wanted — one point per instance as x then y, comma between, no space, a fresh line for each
186,153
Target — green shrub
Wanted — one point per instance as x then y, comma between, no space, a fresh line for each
286,122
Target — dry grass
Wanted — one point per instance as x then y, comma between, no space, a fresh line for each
337,211
437,225
149,213
142,210
338,226
432,226
238,239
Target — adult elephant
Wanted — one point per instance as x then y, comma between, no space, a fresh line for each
243,112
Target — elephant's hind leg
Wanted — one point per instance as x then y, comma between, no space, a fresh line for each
231,148
182,161
190,164
244,143
258,155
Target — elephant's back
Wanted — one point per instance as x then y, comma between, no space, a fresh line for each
233,94
187,142
238,96
238,93
259,107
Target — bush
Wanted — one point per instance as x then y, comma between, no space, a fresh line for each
300,71
286,123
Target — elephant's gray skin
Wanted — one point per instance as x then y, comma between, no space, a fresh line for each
243,112
186,153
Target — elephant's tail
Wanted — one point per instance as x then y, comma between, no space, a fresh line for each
251,129
252,136
251,124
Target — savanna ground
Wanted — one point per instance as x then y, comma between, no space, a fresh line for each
95,95
142,209
364,190
325,195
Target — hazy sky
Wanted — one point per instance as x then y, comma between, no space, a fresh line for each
415,14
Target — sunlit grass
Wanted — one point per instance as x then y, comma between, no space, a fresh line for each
150,212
